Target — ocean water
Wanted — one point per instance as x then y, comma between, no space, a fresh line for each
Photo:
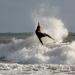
24,55
26,49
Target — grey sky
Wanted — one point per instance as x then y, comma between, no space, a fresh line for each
15,15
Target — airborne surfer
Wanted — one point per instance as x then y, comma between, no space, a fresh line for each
40,34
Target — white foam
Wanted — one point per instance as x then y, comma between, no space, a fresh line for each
31,51
55,53
50,24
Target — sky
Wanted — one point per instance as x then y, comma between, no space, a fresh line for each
16,15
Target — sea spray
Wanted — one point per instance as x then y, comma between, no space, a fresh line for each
46,15
30,50
54,27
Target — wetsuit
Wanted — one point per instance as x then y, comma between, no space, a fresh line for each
40,34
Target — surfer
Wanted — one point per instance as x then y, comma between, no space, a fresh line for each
40,34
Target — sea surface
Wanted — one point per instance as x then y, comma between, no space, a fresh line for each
23,54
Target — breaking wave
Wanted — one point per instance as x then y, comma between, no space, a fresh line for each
21,51
30,51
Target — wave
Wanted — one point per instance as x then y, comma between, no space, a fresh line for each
30,51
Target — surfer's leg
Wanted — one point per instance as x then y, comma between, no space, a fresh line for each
48,36
40,41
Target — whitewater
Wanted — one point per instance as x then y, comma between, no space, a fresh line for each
30,50
28,56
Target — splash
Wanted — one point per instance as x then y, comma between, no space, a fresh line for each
30,51
50,24
54,27
18,51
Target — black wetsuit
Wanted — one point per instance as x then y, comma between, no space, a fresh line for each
40,35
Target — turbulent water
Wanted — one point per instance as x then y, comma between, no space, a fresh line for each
30,51
23,54
43,69
18,51
29,57
26,56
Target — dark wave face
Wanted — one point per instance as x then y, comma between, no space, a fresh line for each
7,37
